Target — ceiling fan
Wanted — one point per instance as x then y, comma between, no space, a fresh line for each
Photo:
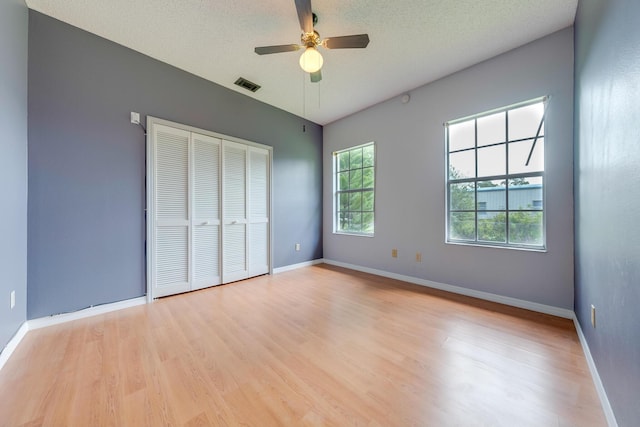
311,60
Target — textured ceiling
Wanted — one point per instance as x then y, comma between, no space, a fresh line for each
413,42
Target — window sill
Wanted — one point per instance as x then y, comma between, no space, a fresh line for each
345,233
516,248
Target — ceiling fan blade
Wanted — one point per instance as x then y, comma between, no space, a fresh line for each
316,77
265,50
305,15
346,42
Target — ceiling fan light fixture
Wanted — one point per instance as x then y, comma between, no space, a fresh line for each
311,60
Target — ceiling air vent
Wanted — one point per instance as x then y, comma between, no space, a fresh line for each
242,82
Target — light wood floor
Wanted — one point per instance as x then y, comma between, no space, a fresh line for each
315,346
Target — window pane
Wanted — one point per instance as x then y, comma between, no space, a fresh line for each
355,201
367,222
524,192
462,135
343,180
343,221
525,228
519,152
491,129
462,165
492,195
492,227
344,202
368,156
524,121
343,161
367,200
367,178
492,160
356,222
355,179
462,196
462,226
355,161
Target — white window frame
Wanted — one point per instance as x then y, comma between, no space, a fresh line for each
337,192
479,213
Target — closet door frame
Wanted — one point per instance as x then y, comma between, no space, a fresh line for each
150,195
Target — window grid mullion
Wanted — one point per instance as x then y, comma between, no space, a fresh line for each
475,186
448,180
497,177
506,216
462,150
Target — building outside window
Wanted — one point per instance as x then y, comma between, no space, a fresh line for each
354,184
495,178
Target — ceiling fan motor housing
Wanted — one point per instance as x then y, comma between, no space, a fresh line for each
310,39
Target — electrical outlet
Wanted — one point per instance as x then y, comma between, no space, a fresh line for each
418,257
297,246
135,118
394,253
593,315
13,299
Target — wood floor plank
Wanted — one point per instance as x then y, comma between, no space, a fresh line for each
318,346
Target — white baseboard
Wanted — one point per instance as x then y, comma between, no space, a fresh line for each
528,305
43,322
602,394
296,266
13,343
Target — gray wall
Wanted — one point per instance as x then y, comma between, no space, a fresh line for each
13,165
607,201
410,192
86,163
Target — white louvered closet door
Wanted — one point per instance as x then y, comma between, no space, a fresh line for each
234,196
258,218
208,205
205,221
170,272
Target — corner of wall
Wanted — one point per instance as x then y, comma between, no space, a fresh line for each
13,165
